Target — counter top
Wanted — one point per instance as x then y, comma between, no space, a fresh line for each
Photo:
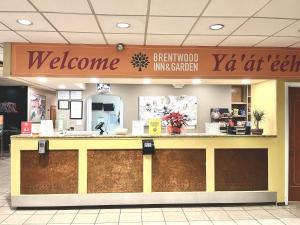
186,135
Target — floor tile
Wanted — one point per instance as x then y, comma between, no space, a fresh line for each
46,212
239,215
3,217
85,218
6,210
235,208
253,207
39,219
260,214
218,215
151,210
140,223
154,223
270,222
131,217
67,211
63,218
136,210
108,217
174,217
281,213
212,208
25,212
201,223
224,222
291,221
110,210
92,211
172,209
247,222
196,216
106,223
193,209
152,216
177,223
16,219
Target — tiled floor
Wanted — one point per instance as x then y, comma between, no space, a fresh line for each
238,215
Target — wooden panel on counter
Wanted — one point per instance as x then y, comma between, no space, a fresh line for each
52,173
179,170
112,171
241,169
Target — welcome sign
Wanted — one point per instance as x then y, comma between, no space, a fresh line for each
59,60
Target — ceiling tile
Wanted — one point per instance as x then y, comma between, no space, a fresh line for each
164,39
278,42
234,7
262,26
84,38
297,45
109,24
230,24
123,7
177,7
2,27
292,30
170,25
66,6
134,39
42,37
10,36
16,5
39,23
73,22
197,40
281,9
245,41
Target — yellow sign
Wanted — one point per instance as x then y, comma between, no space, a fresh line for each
154,126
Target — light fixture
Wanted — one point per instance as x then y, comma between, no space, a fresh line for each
61,86
196,81
94,80
245,81
25,22
216,26
123,25
120,47
42,79
147,81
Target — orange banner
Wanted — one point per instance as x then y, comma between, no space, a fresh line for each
59,60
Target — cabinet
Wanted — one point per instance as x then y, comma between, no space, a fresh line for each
241,102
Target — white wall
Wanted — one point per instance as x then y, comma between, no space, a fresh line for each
208,96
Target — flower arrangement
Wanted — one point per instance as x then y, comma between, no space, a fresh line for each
175,121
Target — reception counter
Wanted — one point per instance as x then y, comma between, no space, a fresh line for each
112,170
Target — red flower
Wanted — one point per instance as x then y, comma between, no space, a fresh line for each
175,119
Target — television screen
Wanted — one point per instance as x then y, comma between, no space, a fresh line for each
96,106
109,107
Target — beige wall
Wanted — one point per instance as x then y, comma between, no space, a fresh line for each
263,97
208,96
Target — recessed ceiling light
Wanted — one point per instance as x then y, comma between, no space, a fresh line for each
245,81
216,26
42,79
61,87
123,25
24,22
147,81
196,81
94,80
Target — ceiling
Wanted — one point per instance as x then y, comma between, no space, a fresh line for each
256,23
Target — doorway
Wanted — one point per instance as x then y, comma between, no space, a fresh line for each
294,143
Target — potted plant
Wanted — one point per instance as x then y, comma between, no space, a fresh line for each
175,122
258,117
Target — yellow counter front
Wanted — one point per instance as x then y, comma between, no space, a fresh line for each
112,170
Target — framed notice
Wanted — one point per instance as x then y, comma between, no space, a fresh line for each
76,108
64,95
76,95
63,104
